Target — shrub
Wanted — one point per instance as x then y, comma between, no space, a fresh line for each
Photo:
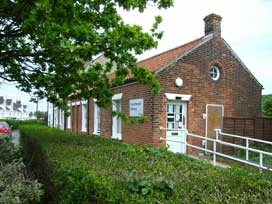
15,185
8,151
95,170
16,123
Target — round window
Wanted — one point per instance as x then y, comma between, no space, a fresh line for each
214,73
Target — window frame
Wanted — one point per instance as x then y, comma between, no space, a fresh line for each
97,119
217,69
84,116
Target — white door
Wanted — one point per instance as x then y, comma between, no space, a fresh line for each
176,126
116,121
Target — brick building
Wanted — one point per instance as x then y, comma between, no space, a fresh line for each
200,82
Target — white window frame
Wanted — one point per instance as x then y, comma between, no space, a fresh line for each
84,114
69,118
217,70
97,118
115,134
55,125
69,121
62,119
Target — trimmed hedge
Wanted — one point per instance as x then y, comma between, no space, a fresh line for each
16,123
82,169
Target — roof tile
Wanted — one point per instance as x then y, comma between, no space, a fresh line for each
156,62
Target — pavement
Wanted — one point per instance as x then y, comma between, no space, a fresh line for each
209,160
15,137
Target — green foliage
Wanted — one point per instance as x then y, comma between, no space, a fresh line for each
255,157
15,185
41,114
146,184
131,120
97,170
16,123
8,151
46,46
267,106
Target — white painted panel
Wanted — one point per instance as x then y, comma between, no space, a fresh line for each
182,97
136,107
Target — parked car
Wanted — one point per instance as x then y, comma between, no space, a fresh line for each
4,128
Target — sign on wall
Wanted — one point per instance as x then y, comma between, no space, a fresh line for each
136,107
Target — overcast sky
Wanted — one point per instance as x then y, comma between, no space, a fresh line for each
246,26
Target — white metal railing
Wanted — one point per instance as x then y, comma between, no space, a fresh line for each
216,141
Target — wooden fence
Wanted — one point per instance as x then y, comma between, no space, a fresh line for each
259,128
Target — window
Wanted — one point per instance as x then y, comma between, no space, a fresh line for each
96,119
69,117
69,122
118,109
175,116
116,121
214,73
84,117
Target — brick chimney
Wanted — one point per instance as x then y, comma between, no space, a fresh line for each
213,24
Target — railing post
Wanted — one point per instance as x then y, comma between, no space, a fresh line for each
217,134
261,161
214,152
247,145
214,147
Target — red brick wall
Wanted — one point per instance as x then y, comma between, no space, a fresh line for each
91,116
137,134
236,90
76,117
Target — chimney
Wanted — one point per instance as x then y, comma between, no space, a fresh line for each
213,24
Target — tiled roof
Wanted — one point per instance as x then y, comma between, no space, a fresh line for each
158,61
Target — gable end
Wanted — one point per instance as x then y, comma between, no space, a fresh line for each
205,40
241,62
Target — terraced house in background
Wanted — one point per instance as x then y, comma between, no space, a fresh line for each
201,82
13,109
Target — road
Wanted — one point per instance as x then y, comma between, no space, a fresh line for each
15,137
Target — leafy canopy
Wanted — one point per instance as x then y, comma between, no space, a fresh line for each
47,46
267,106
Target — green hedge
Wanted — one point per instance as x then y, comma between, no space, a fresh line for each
16,186
16,123
82,169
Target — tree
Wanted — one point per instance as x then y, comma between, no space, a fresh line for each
46,44
41,115
31,114
267,106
